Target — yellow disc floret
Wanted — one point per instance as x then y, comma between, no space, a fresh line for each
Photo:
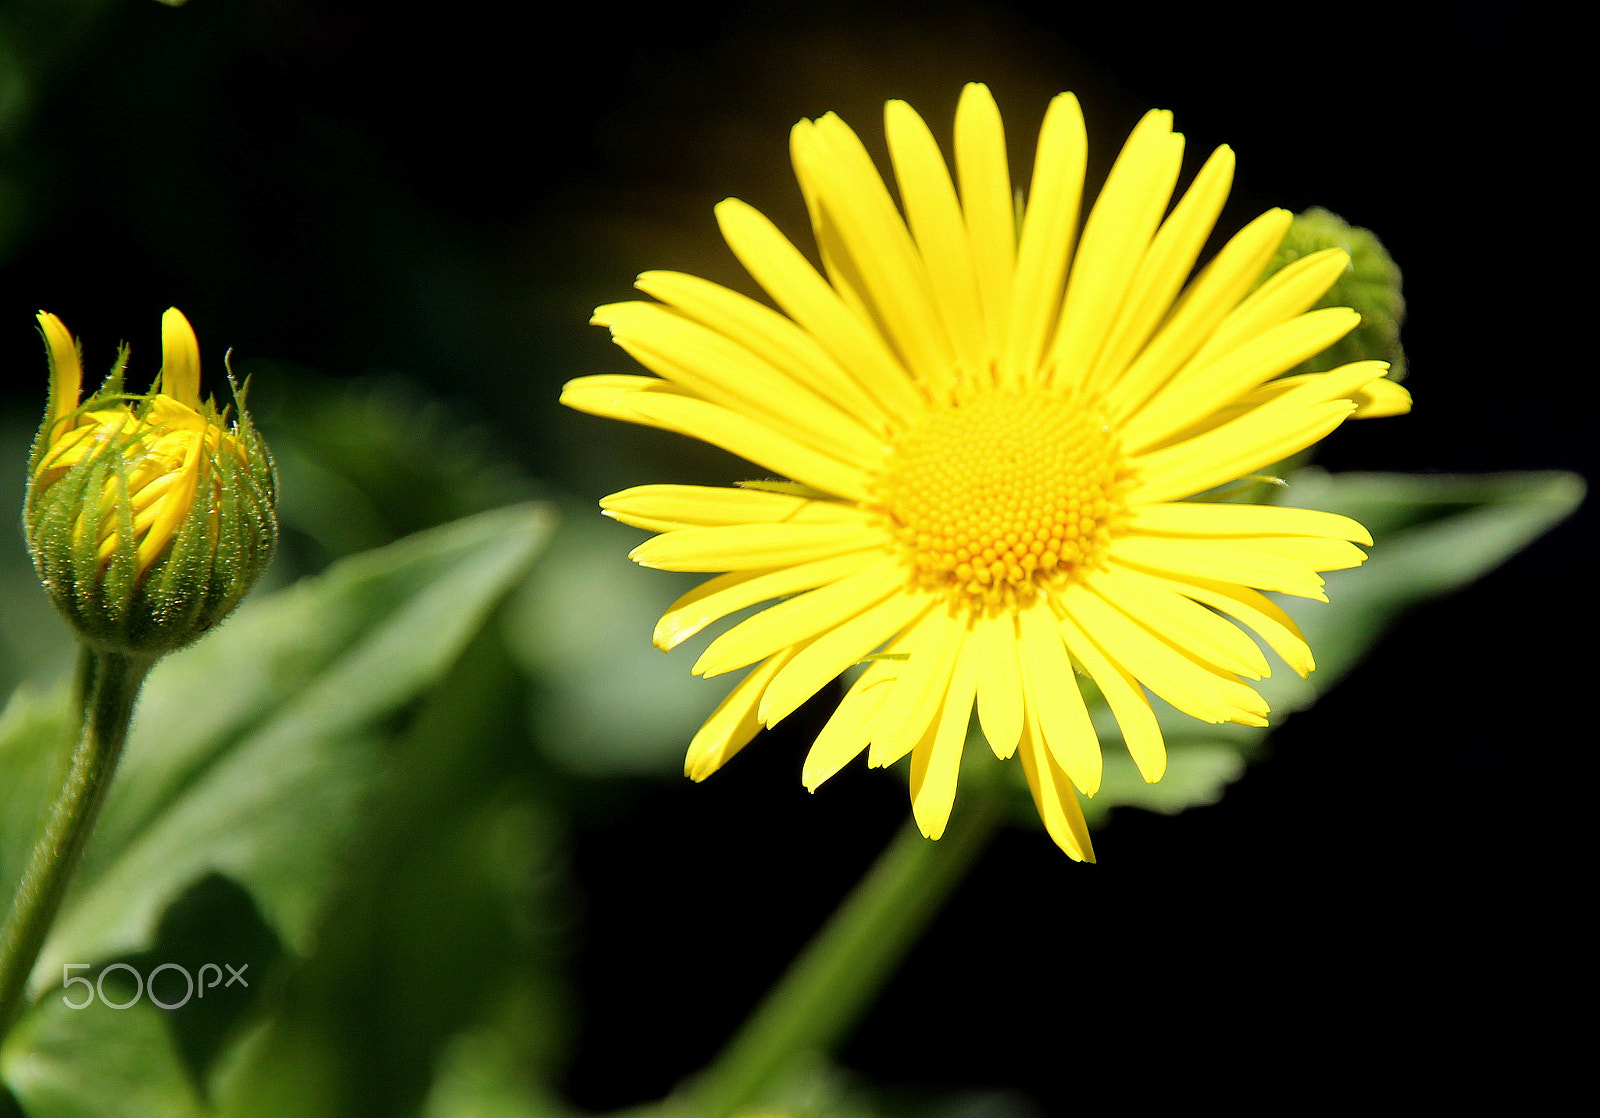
999,495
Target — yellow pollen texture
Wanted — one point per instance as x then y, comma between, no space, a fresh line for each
999,495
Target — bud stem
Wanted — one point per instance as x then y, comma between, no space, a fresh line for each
833,980
107,685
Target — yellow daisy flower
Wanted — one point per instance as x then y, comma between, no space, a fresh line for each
992,424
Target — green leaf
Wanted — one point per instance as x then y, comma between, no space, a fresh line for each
253,752
450,919
1432,535
98,1060
34,732
481,1075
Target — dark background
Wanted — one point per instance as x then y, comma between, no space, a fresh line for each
444,193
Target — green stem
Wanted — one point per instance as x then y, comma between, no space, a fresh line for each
834,980
107,685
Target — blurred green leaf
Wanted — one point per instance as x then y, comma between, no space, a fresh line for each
99,1061
33,762
366,462
250,751
614,704
450,922
481,1076
251,758
1432,535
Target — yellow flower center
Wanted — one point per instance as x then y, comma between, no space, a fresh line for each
998,495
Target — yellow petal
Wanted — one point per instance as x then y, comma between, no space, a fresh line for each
611,395
1200,518
1055,705
66,367
728,593
1288,564
1198,630
1200,310
933,213
800,619
1199,389
1167,264
936,760
732,724
736,547
1044,247
874,249
850,728
1000,701
1269,433
1249,607
1169,671
1058,805
807,298
984,177
932,646
1381,398
721,372
760,329
180,359
662,508
833,650
751,440
1141,733
1115,237
1289,292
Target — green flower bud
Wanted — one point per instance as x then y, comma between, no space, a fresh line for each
149,517
1370,285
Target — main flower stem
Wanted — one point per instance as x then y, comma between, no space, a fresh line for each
107,686
834,980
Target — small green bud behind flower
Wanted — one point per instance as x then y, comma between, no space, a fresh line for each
1370,285
149,517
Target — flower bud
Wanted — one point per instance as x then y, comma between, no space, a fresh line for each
1369,285
149,517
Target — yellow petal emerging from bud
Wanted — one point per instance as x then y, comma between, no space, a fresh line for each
180,359
149,517
66,367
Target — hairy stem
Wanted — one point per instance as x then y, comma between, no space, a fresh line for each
107,686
